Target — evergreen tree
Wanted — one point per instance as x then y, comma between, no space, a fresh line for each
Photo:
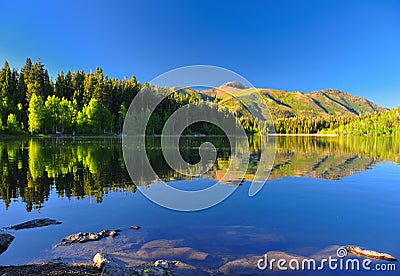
68,86
26,70
21,91
121,117
5,81
59,86
78,81
38,78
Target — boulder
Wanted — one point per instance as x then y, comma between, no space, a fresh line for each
83,237
358,251
5,241
163,264
34,224
113,267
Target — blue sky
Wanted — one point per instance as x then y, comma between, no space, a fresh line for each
292,45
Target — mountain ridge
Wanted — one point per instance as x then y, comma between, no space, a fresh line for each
285,104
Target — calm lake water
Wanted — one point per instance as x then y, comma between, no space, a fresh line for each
322,191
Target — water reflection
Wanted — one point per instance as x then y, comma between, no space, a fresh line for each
333,157
32,168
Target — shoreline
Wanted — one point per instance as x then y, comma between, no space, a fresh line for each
47,268
45,136
116,136
104,264
149,259
305,134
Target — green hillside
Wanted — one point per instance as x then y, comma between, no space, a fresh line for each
382,123
283,104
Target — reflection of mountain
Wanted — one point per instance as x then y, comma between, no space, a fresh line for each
30,169
331,158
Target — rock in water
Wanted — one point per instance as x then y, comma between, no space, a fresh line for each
356,250
111,267
162,263
114,267
100,260
34,224
5,241
83,237
135,227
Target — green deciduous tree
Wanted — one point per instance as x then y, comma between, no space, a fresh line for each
94,119
59,114
12,124
36,114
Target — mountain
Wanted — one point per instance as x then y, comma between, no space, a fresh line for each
291,104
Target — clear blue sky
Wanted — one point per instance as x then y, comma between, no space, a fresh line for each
292,45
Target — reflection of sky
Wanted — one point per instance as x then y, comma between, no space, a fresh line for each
294,214
187,195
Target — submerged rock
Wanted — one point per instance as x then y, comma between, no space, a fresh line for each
249,265
35,223
5,241
356,250
83,237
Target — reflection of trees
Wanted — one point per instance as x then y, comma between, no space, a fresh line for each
31,169
319,157
333,157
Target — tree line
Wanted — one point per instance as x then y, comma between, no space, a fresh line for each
385,123
75,101
93,103
310,124
86,103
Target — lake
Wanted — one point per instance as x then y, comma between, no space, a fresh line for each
322,192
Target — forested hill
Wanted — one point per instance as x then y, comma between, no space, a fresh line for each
283,104
325,111
93,103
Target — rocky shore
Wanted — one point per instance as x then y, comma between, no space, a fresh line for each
145,258
102,265
50,269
